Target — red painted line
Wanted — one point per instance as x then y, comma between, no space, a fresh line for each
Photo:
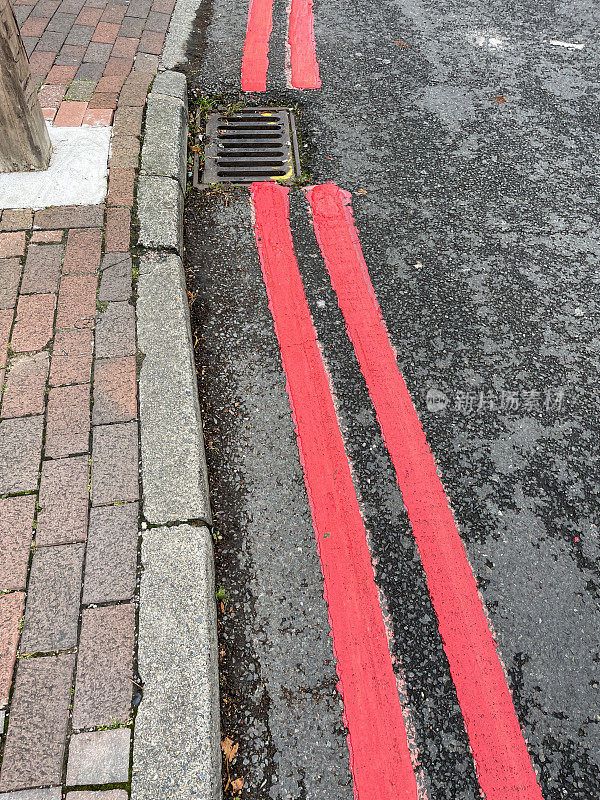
303,50
503,764
255,60
379,754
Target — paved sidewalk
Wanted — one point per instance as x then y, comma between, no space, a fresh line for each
69,445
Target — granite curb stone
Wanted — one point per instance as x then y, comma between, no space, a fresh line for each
174,476
177,651
182,22
161,222
166,137
172,84
178,661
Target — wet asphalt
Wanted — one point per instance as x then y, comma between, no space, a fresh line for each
471,145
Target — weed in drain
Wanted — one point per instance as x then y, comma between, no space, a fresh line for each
222,595
114,724
200,107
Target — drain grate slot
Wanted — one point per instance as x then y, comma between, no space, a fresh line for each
254,144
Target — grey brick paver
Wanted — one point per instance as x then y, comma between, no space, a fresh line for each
63,501
99,757
37,731
10,274
115,398
115,331
42,268
16,219
50,793
16,532
115,476
52,608
111,555
20,453
25,390
104,687
68,423
115,283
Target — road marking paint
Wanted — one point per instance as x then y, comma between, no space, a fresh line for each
379,754
255,59
303,50
568,45
502,762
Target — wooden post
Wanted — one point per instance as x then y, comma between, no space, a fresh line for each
24,141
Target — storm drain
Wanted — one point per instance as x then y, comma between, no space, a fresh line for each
252,144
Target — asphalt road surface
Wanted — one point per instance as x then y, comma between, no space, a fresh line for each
468,136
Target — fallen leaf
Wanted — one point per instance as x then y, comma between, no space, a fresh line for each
400,43
236,785
361,191
229,749
500,99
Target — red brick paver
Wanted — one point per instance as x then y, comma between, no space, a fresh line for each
98,117
46,236
120,186
70,113
61,74
34,325
118,221
77,301
25,390
72,357
69,217
83,251
50,95
12,244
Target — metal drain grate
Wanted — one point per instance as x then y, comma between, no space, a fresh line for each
253,144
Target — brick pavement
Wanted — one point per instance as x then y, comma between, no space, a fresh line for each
69,454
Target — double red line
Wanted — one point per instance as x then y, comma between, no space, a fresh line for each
379,753
304,69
